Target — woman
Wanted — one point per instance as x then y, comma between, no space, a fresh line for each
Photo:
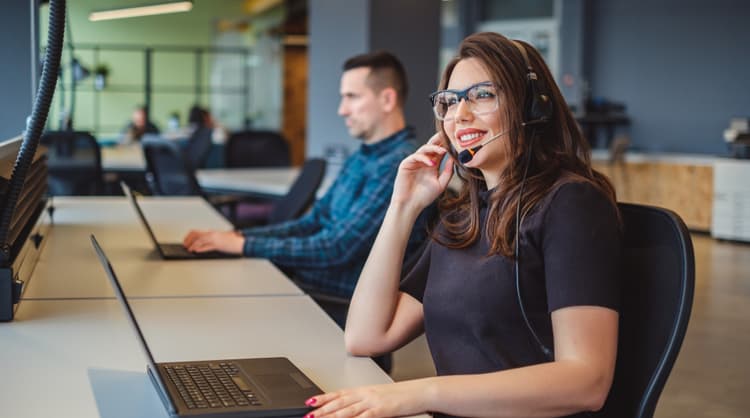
518,323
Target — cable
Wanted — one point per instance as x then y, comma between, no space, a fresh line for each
546,351
35,124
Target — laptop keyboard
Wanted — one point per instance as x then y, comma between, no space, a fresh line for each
211,385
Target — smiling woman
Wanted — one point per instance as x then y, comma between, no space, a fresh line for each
535,337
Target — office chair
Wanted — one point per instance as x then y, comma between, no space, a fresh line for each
74,162
168,174
302,193
198,147
657,296
167,171
256,149
292,205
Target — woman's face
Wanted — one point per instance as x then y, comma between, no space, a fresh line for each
468,129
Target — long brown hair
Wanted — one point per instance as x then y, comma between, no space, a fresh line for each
559,153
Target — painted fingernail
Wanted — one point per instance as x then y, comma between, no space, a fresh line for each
309,416
310,402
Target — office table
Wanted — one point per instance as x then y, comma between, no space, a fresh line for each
69,268
71,352
258,182
123,158
80,358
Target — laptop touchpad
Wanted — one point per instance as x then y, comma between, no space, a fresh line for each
275,383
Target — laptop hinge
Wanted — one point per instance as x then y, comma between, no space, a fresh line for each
165,399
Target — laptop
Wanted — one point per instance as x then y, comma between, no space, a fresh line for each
169,251
258,387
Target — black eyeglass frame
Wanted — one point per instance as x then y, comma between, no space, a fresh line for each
461,95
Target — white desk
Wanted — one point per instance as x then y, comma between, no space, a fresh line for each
79,358
128,157
69,268
265,182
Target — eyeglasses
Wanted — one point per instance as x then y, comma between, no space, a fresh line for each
481,99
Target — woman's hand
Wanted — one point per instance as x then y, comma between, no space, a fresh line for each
388,400
230,242
418,181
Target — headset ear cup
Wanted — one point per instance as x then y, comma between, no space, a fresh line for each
538,105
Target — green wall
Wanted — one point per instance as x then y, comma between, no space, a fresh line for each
173,72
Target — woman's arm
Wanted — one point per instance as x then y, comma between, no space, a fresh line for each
380,317
577,380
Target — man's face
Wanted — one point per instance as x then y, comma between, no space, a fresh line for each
360,105
139,118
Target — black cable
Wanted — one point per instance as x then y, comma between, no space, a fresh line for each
546,351
73,81
36,122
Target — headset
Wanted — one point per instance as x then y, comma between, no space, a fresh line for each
538,105
537,110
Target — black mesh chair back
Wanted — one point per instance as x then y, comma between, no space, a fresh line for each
302,193
198,147
658,282
74,162
256,149
170,174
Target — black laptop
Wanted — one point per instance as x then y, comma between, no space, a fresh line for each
169,251
260,387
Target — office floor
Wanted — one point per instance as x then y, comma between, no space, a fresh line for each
711,378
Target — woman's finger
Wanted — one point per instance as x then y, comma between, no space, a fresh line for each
436,139
431,149
334,406
424,159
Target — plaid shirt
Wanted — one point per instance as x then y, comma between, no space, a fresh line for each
327,248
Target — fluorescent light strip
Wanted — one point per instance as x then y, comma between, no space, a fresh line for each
155,9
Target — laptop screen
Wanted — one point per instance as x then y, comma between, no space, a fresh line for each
131,197
129,314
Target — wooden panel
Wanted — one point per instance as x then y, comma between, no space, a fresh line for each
684,188
295,100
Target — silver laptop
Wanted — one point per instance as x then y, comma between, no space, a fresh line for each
259,387
169,251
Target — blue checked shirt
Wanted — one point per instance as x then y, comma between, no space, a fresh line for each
327,248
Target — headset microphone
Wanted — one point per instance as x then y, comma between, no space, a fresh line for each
466,155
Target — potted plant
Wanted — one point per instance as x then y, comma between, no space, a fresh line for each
101,71
173,123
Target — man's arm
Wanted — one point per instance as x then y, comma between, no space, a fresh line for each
338,242
305,225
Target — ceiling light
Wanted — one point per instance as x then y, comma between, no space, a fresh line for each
142,10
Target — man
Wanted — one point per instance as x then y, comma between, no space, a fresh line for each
139,125
326,249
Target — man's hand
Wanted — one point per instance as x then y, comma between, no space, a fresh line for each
230,242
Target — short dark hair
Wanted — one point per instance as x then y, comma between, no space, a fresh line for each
385,71
197,116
